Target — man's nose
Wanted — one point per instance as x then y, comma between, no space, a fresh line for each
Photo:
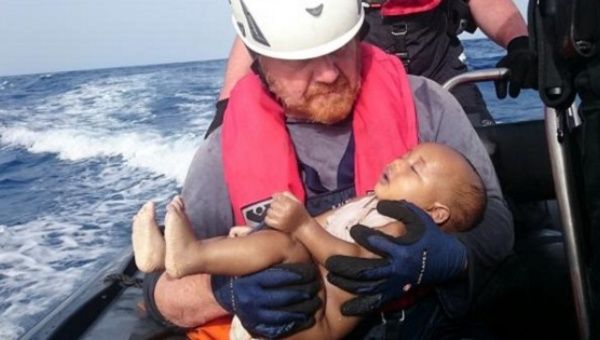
325,70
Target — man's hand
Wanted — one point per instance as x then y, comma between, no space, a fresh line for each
273,303
286,213
424,255
522,63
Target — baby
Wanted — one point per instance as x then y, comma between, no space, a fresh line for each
432,176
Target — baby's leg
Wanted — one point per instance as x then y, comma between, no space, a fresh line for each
187,255
178,236
148,243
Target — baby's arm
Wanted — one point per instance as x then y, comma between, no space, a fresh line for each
288,214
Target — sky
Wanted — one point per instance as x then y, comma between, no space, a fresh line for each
59,35
39,36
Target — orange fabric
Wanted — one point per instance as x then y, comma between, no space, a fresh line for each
259,157
217,329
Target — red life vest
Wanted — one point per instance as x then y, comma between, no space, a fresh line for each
258,154
406,7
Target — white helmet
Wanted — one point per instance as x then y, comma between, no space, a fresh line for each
296,29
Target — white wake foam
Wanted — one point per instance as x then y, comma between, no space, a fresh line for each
168,156
5,84
44,260
36,267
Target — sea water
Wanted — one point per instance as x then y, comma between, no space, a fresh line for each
80,152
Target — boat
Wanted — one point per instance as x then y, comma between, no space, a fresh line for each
540,298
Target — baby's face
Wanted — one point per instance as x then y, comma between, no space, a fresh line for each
420,175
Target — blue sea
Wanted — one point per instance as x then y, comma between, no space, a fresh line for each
81,151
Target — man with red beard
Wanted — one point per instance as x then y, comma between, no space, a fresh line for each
423,34
320,117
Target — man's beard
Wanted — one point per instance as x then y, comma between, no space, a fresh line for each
321,103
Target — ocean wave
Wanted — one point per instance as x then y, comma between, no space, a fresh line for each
44,260
96,101
81,152
168,156
5,84
206,98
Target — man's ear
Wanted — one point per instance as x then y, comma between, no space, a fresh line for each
439,212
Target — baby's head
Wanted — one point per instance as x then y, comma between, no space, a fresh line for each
440,181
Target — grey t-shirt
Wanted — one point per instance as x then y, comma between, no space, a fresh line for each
441,120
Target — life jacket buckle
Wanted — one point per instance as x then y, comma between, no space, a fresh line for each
384,320
404,57
399,29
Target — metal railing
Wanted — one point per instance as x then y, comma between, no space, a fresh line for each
560,159
562,173
475,76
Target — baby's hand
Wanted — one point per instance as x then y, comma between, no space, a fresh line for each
239,231
286,213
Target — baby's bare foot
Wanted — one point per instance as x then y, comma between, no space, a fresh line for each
178,235
148,243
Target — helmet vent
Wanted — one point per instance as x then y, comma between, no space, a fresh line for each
315,11
242,29
254,29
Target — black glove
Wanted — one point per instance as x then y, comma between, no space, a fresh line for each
274,302
424,255
522,63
